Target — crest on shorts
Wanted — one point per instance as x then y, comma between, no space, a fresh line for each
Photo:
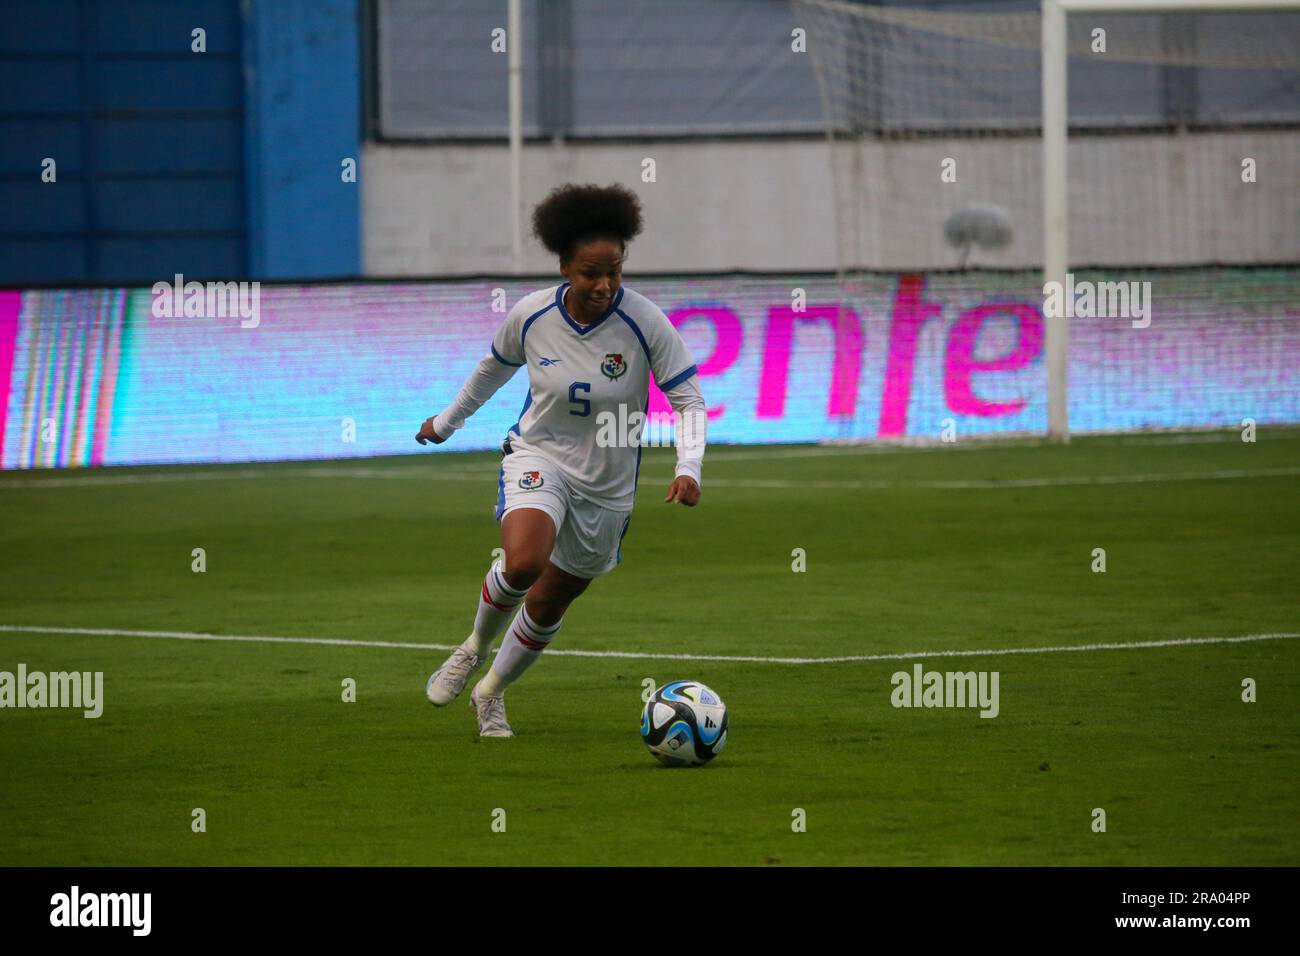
613,366
531,480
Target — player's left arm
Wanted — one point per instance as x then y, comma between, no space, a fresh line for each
676,373
692,425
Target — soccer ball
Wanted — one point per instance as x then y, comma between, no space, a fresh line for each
684,724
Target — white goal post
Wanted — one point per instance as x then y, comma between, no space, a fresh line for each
1055,182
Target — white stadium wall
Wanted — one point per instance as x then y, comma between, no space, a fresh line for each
718,205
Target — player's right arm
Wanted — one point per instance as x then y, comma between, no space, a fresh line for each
493,370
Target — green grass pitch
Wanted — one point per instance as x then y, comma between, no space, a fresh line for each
899,559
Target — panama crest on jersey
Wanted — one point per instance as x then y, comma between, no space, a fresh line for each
613,366
531,480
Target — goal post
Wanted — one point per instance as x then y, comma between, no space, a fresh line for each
1056,211
956,138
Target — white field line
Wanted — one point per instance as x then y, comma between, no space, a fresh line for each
486,475
639,655
1056,482
400,472
830,448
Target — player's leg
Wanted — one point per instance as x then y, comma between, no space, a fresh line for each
587,545
530,508
527,537
534,627
551,596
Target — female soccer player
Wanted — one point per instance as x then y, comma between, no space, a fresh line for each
568,479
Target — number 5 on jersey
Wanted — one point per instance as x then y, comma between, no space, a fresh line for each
584,402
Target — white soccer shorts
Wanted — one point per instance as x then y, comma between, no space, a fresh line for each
588,538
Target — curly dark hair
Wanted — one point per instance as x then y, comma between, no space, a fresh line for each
573,214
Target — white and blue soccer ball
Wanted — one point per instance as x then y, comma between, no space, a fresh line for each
684,724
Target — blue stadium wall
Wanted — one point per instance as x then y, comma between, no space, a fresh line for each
217,164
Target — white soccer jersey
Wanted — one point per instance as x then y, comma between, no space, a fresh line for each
578,375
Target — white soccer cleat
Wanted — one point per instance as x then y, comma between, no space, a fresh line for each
446,683
491,713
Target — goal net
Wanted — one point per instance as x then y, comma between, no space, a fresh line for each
1183,151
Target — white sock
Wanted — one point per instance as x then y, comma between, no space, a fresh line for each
497,601
523,645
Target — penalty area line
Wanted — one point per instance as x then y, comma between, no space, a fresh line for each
646,655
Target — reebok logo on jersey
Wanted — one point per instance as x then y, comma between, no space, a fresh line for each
548,361
613,366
